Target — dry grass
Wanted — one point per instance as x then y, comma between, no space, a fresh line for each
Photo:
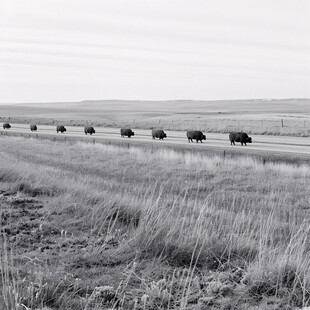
252,116
90,226
256,125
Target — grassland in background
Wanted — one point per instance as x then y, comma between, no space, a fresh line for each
96,226
252,116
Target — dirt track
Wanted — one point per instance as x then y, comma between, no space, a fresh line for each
266,146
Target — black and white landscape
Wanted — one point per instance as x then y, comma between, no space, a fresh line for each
154,155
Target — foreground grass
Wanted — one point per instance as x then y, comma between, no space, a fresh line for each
96,227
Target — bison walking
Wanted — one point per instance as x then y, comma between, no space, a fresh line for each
127,132
196,135
158,133
61,128
89,129
239,137
33,127
6,126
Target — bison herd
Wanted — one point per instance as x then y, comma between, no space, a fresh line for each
197,135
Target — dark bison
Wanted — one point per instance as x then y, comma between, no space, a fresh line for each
89,129
127,132
239,137
33,127
158,133
196,135
6,126
61,129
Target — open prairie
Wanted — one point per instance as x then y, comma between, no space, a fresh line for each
274,117
89,226
137,169
143,224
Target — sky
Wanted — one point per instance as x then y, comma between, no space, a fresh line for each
72,50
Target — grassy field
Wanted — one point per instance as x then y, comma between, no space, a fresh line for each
88,226
276,117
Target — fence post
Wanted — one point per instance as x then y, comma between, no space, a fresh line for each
282,122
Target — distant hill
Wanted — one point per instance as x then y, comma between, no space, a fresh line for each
175,106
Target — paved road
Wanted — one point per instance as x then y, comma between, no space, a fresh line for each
281,145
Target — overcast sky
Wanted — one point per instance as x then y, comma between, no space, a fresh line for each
71,50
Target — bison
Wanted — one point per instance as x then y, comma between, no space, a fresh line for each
239,137
6,126
33,127
89,129
158,133
196,135
61,129
127,132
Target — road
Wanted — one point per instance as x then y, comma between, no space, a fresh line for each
279,145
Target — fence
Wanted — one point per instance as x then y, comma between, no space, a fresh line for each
253,126
256,125
228,152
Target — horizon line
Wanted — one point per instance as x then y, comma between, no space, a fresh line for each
161,100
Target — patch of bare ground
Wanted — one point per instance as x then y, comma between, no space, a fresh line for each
21,217
103,227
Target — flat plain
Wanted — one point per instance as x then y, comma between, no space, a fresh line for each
95,226
265,116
